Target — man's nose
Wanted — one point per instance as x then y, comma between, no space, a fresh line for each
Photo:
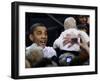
43,36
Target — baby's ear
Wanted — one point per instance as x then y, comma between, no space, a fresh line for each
31,37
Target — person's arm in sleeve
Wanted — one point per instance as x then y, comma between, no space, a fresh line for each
84,36
58,43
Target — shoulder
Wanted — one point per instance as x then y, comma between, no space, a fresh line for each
84,35
31,46
29,49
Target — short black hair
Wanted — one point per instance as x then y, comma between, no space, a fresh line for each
34,26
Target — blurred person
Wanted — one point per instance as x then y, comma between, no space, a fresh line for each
83,21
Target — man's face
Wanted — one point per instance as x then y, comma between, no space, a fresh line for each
40,36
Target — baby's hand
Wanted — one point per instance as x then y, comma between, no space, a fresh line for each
66,39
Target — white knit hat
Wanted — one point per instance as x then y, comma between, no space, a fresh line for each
69,22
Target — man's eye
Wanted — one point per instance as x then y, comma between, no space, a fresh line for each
45,33
39,33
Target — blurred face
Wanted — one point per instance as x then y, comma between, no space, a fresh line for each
83,20
40,36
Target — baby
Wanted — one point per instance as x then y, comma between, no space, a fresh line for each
68,43
70,38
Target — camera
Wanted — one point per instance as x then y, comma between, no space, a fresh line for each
69,59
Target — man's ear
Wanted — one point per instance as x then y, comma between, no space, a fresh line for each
31,37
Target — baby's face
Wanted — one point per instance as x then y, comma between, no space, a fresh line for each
40,36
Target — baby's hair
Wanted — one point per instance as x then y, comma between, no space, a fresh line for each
69,22
34,26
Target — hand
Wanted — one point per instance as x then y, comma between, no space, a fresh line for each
83,44
67,40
